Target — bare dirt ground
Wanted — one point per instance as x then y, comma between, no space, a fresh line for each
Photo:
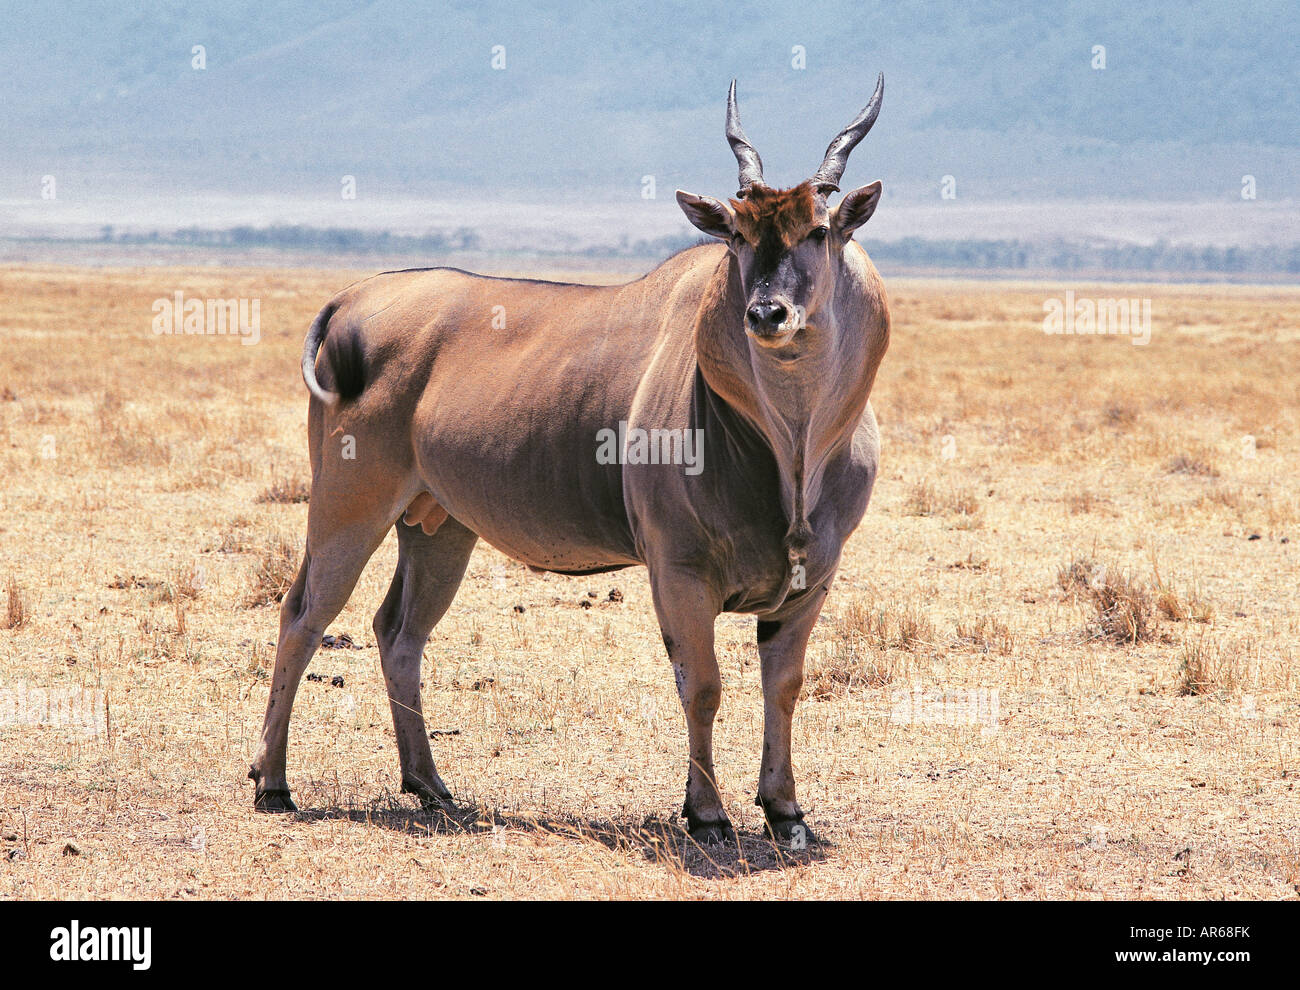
1059,660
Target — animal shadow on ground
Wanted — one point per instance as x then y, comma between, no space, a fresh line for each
658,840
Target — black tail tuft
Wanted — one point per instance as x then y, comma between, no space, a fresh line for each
347,362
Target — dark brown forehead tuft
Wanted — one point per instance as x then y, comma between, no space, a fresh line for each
786,212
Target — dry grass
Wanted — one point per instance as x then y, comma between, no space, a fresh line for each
1078,503
1188,605
846,669
1206,666
15,607
866,641
891,626
1199,465
986,633
1179,609
957,503
1123,608
132,694
182,583
1076,576
286,492
273,573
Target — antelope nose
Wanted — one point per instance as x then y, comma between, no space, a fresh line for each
766,315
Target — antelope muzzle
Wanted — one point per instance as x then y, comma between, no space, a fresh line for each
772,322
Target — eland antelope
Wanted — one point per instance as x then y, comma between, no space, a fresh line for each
764,344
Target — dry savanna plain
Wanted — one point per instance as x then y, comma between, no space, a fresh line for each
1059,661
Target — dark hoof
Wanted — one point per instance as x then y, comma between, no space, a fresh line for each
712,833
273,802
792,831
430,800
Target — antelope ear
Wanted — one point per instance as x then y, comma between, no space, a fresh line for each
712,216
856,208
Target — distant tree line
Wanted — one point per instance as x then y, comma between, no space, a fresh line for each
302,238
1016,255
1161,256
973,255
642,248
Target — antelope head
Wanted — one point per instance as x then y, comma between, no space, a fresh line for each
787,243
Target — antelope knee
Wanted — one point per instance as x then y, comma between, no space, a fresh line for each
703,700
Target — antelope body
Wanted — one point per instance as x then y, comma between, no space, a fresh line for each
767,344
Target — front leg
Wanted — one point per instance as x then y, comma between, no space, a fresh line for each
686,609
782,644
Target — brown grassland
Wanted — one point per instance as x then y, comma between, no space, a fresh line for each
1058,662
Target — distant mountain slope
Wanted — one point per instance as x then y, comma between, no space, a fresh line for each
595,96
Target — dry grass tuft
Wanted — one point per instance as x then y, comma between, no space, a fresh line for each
181,584
15,608
905,627
1205,667
1187,606
1198,465
864,648
1075,577
1081,502
277,565
291,491
961,503
845,668
1124,609
238,537
1120,415
1224,496
987,633
922,500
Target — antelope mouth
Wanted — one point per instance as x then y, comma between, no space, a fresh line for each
773,337
785,342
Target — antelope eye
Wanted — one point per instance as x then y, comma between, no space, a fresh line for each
819,234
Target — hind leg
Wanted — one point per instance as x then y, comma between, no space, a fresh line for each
429,570
342,535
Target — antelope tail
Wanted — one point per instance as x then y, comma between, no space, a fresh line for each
343,355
